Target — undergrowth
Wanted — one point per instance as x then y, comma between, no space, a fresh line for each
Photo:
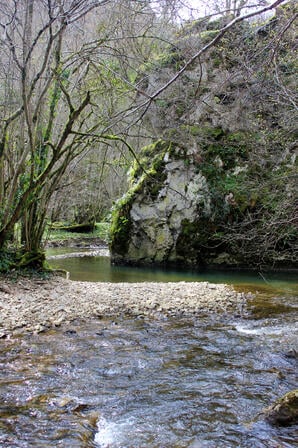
101,231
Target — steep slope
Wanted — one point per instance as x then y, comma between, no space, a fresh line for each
218,187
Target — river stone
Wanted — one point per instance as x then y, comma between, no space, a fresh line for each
284,411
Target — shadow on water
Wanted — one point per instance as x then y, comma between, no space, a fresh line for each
99,269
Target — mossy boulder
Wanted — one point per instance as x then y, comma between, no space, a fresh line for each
146,177
203,206
284,412
147,220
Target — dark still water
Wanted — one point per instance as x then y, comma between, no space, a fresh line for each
99,269
135,383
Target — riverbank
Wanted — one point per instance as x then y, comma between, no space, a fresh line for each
35,305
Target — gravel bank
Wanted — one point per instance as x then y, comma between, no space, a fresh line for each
36,305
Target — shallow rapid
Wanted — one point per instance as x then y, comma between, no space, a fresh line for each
163,382
154,383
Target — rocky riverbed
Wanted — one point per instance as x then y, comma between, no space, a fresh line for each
36,305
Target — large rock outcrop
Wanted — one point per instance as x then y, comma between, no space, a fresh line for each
150,219
195,210
217,188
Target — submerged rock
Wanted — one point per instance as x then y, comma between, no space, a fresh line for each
284,411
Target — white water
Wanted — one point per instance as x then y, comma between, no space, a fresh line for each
273,331
110,433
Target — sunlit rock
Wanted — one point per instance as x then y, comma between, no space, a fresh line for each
284,411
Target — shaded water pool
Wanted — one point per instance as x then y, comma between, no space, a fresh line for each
99,269
154,383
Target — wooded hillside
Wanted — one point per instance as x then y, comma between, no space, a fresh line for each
85,85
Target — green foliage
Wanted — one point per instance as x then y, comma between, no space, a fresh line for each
19,261
171,59
207,36
194,130
206,133
226,147
150,159
33,260
101,230
153,182
7,260
121,225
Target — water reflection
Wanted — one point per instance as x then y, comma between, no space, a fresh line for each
99,269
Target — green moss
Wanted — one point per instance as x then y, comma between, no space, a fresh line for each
170,59
121,224
154,182
238,137
229,147
33,260
180,108
204,134
150,158
194,239
207,36
194,130
216,57
148,173
215,133
216,61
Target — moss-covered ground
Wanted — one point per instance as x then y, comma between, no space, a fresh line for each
101,230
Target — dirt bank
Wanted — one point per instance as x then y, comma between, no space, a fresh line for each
36,305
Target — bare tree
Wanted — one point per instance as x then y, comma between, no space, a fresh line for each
42,107
47,104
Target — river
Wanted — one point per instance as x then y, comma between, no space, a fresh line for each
155,383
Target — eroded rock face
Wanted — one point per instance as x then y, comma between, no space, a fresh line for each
284,412
218,188
157,222
198,207
155,215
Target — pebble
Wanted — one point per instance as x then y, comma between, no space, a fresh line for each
28,307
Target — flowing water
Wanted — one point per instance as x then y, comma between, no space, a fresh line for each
154,383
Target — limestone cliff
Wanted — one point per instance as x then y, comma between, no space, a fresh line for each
157,206
217,188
